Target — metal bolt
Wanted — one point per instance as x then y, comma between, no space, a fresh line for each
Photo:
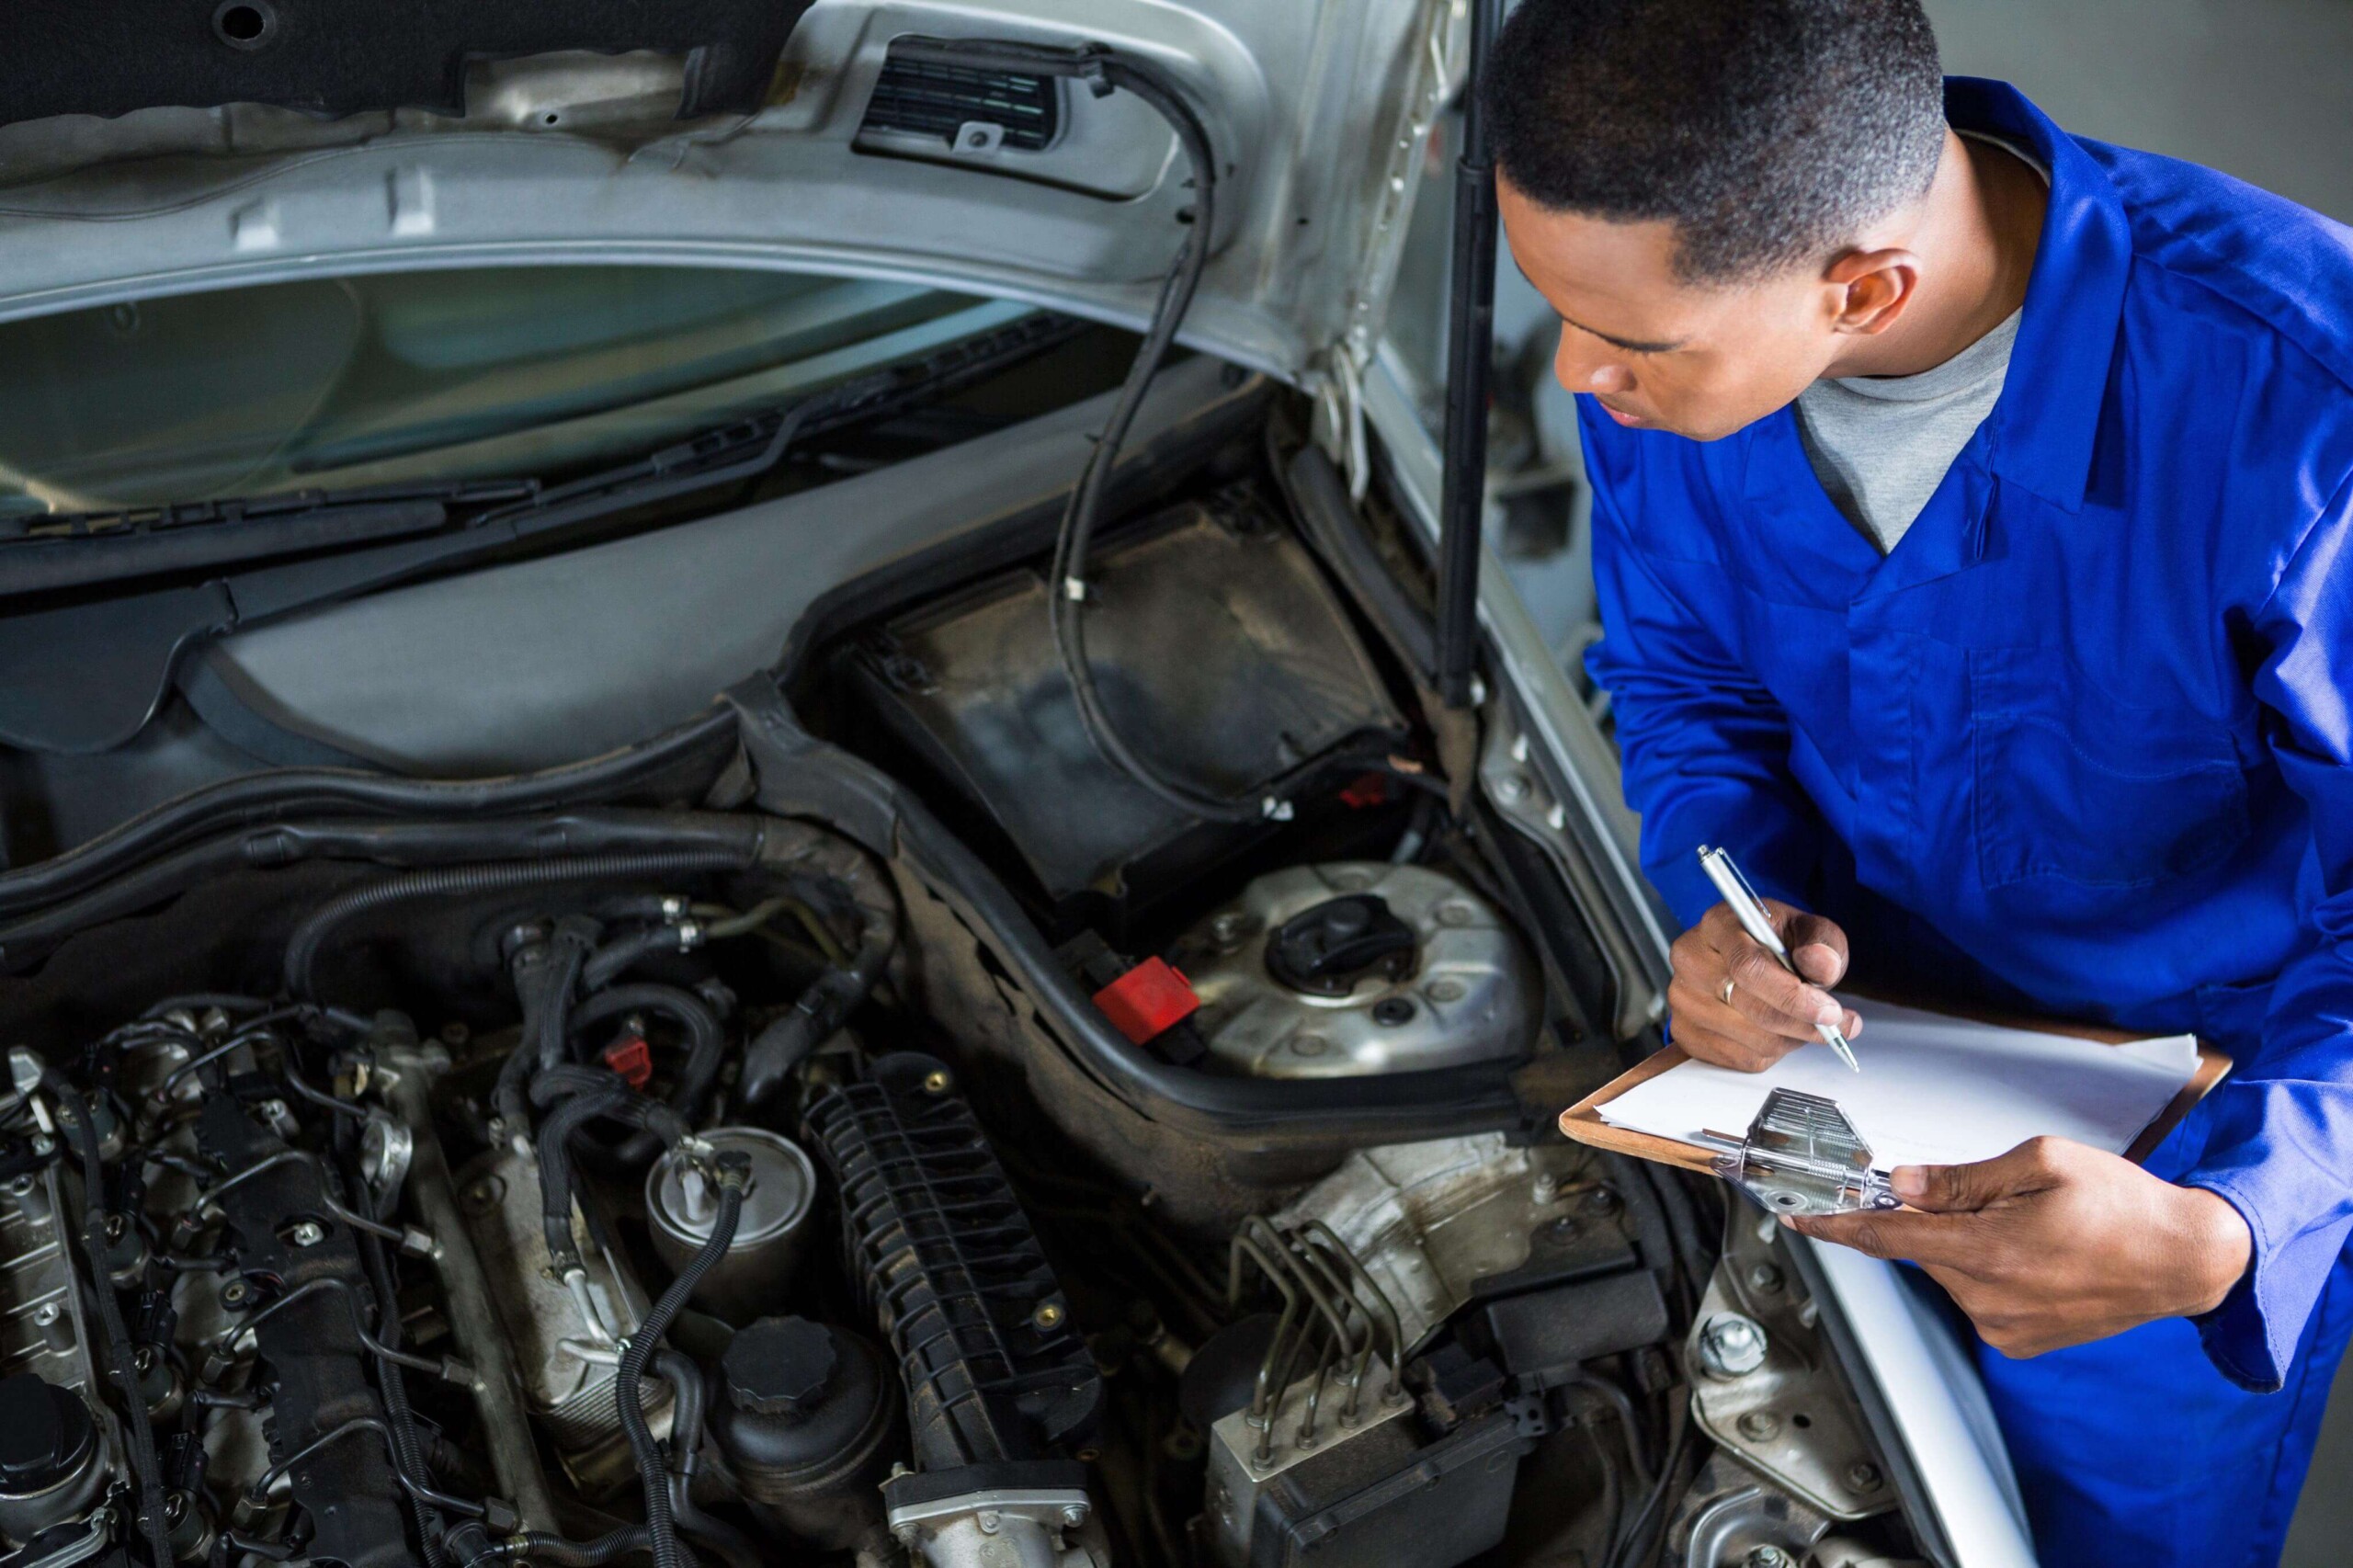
482,1197
1547,1187
1601,1200
1074,1515
1732,1346
1765,1279
307,1233
1231,927
1768,1557
935,1082
1048,1316
1510,788
1392,1011
43,1143
1760,1425
234,1293
1310,1045
1863,1476
988,1521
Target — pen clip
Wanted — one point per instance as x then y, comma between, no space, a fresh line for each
1742,878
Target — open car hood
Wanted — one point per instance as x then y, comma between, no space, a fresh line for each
171,150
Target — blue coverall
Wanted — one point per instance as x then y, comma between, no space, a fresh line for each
2082,744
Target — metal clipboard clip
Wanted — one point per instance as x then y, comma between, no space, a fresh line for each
1803,1156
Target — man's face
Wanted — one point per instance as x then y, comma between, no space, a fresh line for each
1659,353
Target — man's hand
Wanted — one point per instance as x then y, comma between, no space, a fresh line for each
2054,1244
1771,1012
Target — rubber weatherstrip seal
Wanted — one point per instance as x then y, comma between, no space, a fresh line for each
800,776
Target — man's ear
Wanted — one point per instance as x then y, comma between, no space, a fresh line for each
1870,289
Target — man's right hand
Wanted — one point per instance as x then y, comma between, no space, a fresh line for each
1771,1012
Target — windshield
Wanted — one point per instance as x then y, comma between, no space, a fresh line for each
406,378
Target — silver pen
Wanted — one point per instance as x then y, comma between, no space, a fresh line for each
1736,892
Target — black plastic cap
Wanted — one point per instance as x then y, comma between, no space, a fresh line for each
779,1366
45,1432
1328,948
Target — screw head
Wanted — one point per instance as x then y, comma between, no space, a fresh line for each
1231,927
1392,1011
1760,1425
46,1314
935,1082
1048,1316
236,1293
1510,788
1765,1279
43,1143
307,1233
1863,1476
1074,1515
1601,1200
988,1521
1768,1557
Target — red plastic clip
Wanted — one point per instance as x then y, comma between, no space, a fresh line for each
632,1059
1148,1000
1366,789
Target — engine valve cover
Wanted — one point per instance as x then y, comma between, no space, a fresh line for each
1353,968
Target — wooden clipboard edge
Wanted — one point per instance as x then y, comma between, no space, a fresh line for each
1583,1122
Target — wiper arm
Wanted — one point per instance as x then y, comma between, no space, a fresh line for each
77,550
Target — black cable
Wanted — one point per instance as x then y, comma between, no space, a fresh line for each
455,881
733,1173
579,1094
1634,1548
146,1470
1104,70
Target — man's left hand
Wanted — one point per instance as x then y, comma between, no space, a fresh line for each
2055,1243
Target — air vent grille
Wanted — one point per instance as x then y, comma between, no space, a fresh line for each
941,100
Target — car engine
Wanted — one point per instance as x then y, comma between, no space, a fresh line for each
806,1137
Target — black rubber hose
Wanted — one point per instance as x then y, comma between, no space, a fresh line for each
579,1094
702,744
539,1546
623,953
735,1172
822,1008
459,882
145,1468
679,1369
706,1044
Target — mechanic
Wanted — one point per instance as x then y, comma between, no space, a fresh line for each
1975,548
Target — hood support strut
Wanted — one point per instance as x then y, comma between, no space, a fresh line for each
1470,355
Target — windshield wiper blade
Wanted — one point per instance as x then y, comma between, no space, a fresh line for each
74,549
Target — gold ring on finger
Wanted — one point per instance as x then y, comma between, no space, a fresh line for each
1726,994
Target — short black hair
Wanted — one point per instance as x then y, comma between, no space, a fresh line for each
1769,132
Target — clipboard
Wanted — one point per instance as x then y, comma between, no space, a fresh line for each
1583,1122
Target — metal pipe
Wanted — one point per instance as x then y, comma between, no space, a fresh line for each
1470,355
514,1459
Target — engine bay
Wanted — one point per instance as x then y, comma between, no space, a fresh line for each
865,1126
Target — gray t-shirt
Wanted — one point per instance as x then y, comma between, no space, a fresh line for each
1880,444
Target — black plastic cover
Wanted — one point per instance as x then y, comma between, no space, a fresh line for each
332,58
1425,1507
1220,652
1543,1336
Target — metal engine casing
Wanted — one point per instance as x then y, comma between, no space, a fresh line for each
566,1365
1472,993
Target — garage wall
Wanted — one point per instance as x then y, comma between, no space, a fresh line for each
2262,89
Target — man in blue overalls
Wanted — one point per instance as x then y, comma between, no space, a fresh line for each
1973,531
